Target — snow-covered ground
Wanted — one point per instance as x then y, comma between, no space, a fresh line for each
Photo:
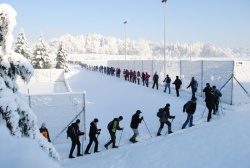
224,142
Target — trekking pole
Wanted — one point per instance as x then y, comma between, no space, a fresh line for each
92,144
221,108
147,128
171,124
119,140
203,112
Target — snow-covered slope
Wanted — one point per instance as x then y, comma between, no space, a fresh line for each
224,142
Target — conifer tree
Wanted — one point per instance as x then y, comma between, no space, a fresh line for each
61,59
22,46
20,119
41,58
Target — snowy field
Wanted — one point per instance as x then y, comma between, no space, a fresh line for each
224,142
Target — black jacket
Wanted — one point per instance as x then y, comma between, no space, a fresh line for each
192,107
135,121
177,83
93,130
76,131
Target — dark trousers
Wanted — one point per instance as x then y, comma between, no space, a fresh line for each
113,137
177,90
146,82
75,141
216,106
193,91
168,123
210,108
91,140
155,83
138,79
143,82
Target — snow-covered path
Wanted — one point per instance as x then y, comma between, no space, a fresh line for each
222,142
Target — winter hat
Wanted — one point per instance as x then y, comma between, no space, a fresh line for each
167,105
214,87
121,118
138,112
208,84
96,120
43,125
78,121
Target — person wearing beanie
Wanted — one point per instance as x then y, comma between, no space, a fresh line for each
75,139
164,120
177,84
44,131
93,131
190,108
135,121
112,127
209,99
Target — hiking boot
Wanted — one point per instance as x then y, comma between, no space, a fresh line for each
79,154
114,146
170,132
158,134
182,127
71,157
86,153
191,125
135,141
105,146
96,151
131,140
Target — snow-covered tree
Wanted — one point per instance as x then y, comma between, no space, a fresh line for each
20,119
41,59
22,46
61,59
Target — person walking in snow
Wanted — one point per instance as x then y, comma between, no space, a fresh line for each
155,79
147,76
138,77
190,108
164,119
177,84
194,85
75,139
167,85
217,95
135,121
143,78
134,77
93,131
44,131
209,99
112,127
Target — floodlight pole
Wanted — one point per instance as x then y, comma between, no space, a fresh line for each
165,4
125,40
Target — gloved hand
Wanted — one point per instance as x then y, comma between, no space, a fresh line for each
173,117
141,118
99,129
183,111
98,133
122,128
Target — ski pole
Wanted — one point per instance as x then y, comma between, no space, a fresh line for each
203,113
147,128
119,140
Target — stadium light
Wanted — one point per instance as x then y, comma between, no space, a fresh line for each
165,4
125,39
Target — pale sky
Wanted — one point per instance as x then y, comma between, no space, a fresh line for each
224,23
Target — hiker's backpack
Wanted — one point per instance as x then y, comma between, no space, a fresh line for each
160,113
195,84
110,125
168,80
70,131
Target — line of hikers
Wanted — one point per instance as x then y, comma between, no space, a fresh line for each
212,101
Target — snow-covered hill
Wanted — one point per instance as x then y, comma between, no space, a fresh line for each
224,142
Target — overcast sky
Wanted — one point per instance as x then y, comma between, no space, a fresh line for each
225,23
